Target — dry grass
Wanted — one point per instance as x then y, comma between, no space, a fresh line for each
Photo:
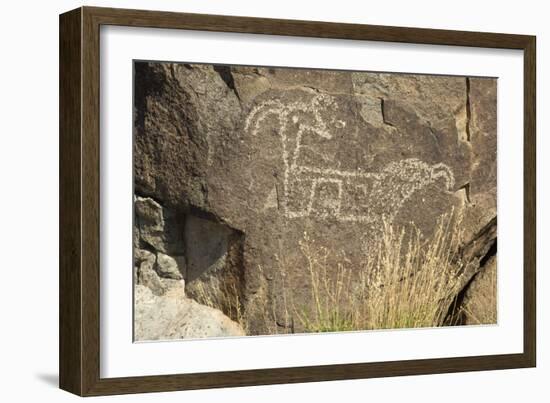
225,298
413,282
408,283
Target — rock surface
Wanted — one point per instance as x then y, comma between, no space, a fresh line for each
148,277
168,267
233,164
173,316
479,305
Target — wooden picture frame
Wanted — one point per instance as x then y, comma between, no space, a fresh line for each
79,317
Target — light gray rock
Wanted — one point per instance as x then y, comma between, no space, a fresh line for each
246,159
144,256
149,278
145,273
168,267
150,222
170,317
174,288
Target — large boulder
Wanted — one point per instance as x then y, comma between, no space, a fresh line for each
173,316
246,160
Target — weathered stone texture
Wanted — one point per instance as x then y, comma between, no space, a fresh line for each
233,164
168,267
172,317
479,306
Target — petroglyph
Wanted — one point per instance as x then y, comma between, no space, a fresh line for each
319,154
310,190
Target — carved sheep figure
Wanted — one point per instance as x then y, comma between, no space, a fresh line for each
347,195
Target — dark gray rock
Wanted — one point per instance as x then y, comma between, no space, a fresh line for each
157,227
482,190
215,272
185,117
248,159
479,306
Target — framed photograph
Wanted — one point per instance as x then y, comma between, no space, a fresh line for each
249,201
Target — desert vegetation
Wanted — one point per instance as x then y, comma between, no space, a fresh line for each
233,163
226,300
408,282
